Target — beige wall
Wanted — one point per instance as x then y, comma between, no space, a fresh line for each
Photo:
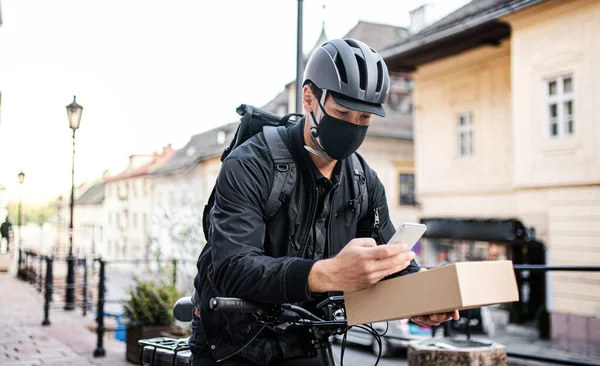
555,38
517,170
477,81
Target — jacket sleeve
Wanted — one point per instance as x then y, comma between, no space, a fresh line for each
378,203
237,236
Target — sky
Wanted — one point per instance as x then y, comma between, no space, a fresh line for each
148,73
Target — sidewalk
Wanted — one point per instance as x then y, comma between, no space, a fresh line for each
525,340
67,341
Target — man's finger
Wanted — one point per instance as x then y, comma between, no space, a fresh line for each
442,317
386,267
365,242
423,321
387,251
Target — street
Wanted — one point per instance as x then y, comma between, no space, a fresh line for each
362,356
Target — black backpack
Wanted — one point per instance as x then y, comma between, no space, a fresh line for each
255,120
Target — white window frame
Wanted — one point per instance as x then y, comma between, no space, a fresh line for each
221,136
560,99
467,130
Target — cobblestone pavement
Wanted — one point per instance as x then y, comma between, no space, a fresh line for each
67,341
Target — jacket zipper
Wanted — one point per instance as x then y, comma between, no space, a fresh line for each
331,212
376,223
314,212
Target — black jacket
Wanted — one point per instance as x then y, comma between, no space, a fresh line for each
249,258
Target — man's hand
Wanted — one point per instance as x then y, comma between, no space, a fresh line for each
434,319
360,264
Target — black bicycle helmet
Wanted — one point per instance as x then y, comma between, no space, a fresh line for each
353,72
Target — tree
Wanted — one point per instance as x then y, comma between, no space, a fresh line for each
176,233
32,214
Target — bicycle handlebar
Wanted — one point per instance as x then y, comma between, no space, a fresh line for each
236,305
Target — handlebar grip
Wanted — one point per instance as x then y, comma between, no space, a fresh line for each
235,305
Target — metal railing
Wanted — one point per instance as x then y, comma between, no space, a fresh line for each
101,328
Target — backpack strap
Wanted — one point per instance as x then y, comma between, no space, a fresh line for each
361,201
284,179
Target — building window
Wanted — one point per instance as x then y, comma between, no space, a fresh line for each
465,134
400,102
109,218
144,222
560,109
190,151
407,189
135,218
221,137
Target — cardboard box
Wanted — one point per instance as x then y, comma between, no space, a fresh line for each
456,286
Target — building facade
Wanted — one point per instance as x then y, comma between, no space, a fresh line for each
128,206
506,156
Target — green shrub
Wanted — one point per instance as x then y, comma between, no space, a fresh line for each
151,303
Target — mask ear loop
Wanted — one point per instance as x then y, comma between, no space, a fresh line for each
314,130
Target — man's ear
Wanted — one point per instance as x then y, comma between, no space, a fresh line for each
307,99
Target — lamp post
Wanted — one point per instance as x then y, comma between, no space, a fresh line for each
74,113
21,177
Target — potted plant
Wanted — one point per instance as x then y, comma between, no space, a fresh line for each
150,313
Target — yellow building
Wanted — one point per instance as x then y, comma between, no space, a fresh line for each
507,154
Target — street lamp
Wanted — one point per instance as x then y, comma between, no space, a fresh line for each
21,176
74,113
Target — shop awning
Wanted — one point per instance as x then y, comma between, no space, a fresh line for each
492,230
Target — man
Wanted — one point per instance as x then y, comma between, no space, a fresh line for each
317,242
5,232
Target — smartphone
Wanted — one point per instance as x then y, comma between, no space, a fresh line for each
409,233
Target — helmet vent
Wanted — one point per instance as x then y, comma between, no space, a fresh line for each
379,77
339,64
352,43
362,72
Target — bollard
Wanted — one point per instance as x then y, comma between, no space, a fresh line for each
468,324
99,351
70,292
175,272
19,270
40,278
48,290
85,283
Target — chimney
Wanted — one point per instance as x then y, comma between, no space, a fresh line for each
420,18
167,149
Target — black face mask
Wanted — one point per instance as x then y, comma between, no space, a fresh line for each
338,138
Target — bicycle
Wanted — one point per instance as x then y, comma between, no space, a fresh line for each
169,351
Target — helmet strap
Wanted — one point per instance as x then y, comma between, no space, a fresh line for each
314,127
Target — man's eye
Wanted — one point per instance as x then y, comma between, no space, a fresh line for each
342,113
